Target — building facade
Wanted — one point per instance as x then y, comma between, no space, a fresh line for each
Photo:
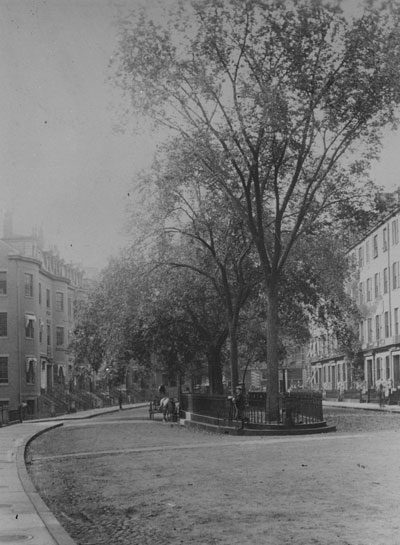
37,294
375,287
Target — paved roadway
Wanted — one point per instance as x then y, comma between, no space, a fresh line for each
25,518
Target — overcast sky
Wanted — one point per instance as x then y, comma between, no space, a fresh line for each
63,164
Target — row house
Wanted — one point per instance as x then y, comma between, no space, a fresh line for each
328,369
375,287
37,294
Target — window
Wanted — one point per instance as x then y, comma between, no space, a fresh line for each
361,257
48,335
3,324
376,285
395,231
377,327
396,321
69,307
375,246
369,373
387,366
367,252
30,320
369,330
385,281
48,298
40,293
385,240
28,285
30,370
395,268
361,293
323,343
362,332
41,327
369,289
3,370
3,283
378,368
387,324
59,336
59,301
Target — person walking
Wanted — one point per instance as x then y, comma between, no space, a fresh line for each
120,400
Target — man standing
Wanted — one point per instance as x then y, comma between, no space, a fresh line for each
239,403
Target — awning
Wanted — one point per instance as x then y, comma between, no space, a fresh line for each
28,362
29,318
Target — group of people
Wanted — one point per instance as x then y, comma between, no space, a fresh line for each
238,401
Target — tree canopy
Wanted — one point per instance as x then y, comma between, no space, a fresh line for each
269,97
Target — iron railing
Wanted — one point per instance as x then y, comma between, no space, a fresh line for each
302,407
10,416
295,408
215,406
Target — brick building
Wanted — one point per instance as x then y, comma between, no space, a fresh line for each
37,294
375,286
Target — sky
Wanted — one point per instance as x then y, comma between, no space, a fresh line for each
65,166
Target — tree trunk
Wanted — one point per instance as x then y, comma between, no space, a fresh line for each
233,356
215,370
272,353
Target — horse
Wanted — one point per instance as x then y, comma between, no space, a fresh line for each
168,407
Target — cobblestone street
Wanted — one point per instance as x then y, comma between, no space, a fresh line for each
121,479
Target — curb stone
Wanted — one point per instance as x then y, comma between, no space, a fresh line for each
57,532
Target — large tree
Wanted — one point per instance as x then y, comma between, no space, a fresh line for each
282,90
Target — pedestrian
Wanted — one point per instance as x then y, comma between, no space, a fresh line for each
239,403
22,410
381,395
120,399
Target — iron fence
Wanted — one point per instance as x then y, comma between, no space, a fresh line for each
215,406
302,407
295,408
9,416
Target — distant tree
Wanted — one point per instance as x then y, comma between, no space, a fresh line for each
88,343
153,314
200,234
208,318
283,90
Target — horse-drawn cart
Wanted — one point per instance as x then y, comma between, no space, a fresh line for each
168,407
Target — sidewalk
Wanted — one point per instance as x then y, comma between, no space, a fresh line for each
364,406
24,517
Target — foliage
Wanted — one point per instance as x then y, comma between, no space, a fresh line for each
88,344
197,232
161,318
280,90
